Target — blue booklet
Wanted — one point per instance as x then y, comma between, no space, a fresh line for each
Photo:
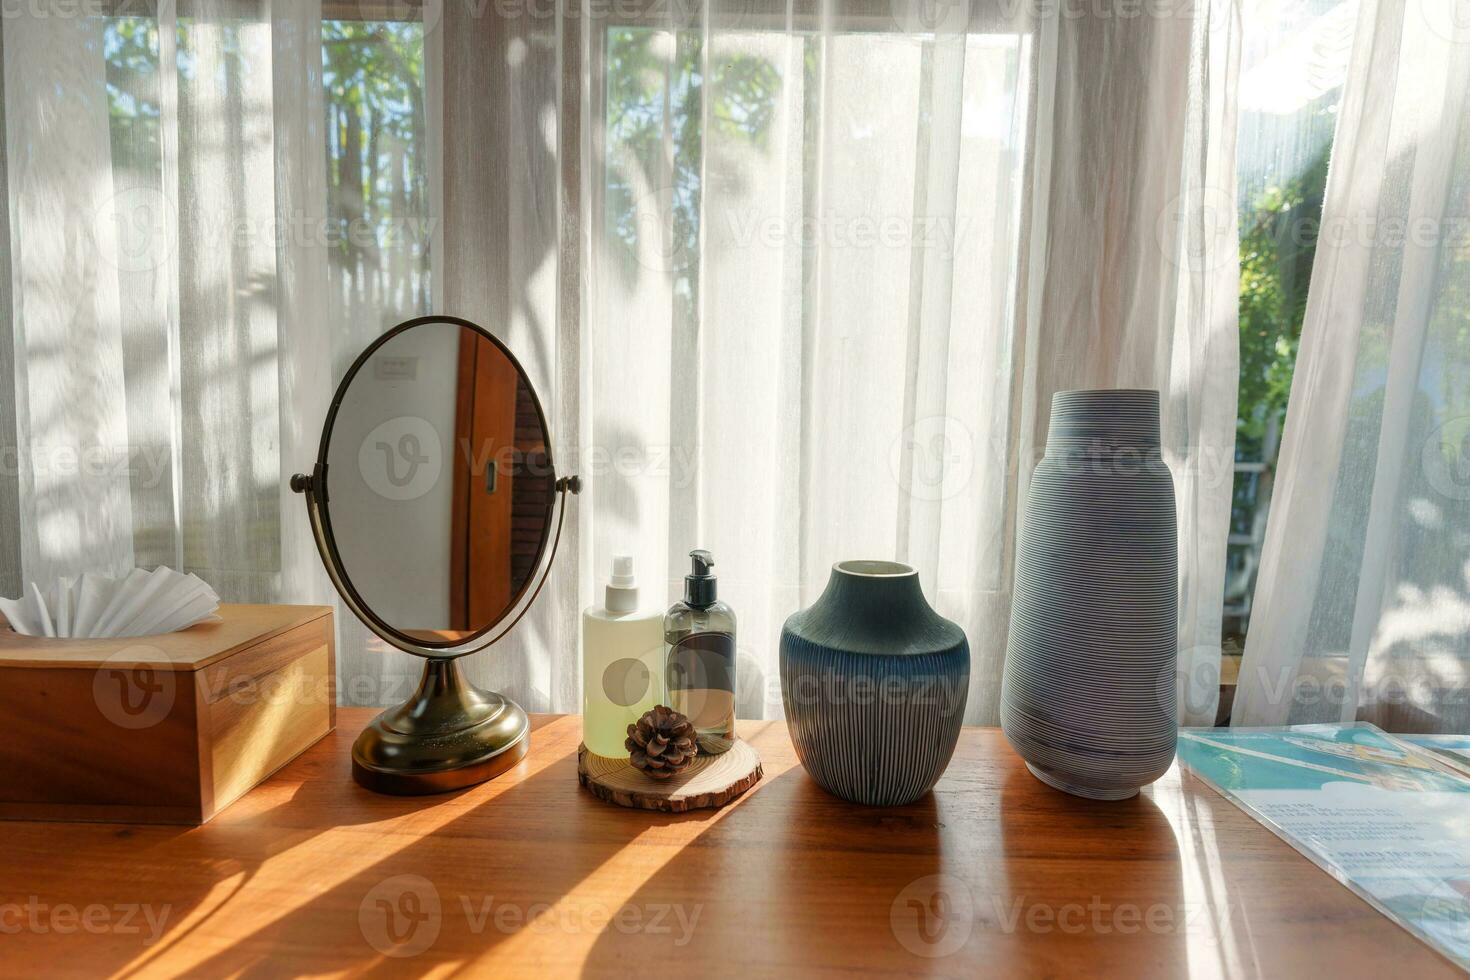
1386,817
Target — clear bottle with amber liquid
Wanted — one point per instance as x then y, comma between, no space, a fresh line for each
699,658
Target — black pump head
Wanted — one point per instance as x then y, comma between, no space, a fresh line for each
699,585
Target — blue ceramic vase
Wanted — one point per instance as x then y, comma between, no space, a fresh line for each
874,683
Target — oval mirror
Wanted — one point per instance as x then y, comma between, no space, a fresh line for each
435,484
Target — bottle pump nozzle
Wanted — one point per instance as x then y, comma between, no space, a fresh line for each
699,585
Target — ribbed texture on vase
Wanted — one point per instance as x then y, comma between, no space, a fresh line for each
1122,418
874,685
1089,688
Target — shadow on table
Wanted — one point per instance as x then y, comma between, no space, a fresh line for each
441,898
776,872
991,874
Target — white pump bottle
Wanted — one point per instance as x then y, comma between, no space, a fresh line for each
622,663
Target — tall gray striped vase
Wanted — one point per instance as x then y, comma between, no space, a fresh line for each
1088,694
874,682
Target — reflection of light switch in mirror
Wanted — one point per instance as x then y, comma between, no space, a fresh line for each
403,368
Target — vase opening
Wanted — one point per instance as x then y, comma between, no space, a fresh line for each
867,568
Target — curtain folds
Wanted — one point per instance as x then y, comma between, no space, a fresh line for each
1135,272
795,281
1362,608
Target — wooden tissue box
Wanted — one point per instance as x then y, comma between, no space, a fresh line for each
161,729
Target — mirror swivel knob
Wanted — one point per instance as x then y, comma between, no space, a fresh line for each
300,483
569,484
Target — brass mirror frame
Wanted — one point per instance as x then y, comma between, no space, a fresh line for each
321,490
449,734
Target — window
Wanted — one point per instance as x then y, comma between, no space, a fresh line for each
378,218
1292,69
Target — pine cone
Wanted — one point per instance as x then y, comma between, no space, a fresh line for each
661,743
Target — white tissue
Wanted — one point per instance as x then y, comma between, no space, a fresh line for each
139,603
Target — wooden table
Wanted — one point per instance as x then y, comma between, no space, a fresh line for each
994,874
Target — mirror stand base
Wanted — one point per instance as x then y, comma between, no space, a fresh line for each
449,735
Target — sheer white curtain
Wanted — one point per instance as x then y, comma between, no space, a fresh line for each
180,305
1134,269
796,281
163,318
839,262
1363,602
804,236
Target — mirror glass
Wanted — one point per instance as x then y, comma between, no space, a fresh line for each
439,486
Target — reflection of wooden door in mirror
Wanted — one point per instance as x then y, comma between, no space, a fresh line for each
480,585
531,488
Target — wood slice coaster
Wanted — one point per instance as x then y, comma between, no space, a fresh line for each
710,780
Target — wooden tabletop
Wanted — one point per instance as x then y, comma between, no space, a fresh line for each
993,874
